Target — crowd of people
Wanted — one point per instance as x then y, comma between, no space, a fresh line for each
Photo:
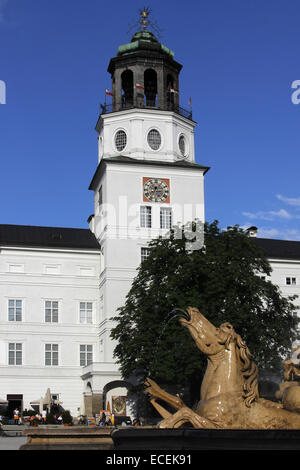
38,418
41,418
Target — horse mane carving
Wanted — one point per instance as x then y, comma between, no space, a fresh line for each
249,371
248,367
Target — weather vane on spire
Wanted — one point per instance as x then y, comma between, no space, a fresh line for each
144,12
144,23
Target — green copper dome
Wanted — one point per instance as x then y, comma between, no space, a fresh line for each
144,35
143,40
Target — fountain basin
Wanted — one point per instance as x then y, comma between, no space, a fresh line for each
205,439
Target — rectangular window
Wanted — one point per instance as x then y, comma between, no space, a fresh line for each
86,354
145,216
15,354
86,312
51,354
14,310
165,217
145,252
86,271
16,268
51,311
52,269
290,281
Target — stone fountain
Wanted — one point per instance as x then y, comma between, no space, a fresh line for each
230,414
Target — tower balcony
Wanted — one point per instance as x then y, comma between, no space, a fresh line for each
110,108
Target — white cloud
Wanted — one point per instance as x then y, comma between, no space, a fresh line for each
268,215
287,234
272,232
291,201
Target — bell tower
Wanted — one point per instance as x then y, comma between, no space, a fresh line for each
147,178
144,72
144,119
145,75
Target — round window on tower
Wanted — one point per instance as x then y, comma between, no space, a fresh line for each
182,144
154,139
120,140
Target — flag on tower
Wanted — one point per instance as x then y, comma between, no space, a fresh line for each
107,92
139,86
172,90
190,101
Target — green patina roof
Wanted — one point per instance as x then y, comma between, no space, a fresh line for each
139,38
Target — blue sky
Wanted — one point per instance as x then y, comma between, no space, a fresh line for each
239,59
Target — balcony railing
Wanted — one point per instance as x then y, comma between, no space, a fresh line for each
109,108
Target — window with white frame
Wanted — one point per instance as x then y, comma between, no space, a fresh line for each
16,268
86,354
86,271
146,219
15,354
120,140
290,281
145,252
86,312
154,139
51,354
165,217
14,310
52,269
51,311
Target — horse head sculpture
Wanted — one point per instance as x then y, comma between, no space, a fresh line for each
229,391
228,357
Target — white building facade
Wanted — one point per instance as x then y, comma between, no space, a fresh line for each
49,313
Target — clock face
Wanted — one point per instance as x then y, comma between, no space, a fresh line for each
156,190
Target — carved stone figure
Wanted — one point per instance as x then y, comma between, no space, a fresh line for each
292,366
229,390
289,390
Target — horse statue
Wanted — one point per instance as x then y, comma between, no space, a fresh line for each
229,390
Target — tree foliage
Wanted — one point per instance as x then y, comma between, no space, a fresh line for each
224,281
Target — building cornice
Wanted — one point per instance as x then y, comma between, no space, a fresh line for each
139,162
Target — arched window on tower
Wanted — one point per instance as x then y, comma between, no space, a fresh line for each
150,87
127,89
170,92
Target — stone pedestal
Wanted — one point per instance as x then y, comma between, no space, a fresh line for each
68,438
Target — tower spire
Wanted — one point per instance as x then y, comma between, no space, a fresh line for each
144,13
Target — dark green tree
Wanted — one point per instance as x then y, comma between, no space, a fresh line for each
224,280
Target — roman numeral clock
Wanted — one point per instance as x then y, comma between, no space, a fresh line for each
156,190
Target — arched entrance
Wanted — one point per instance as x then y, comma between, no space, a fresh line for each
115,399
